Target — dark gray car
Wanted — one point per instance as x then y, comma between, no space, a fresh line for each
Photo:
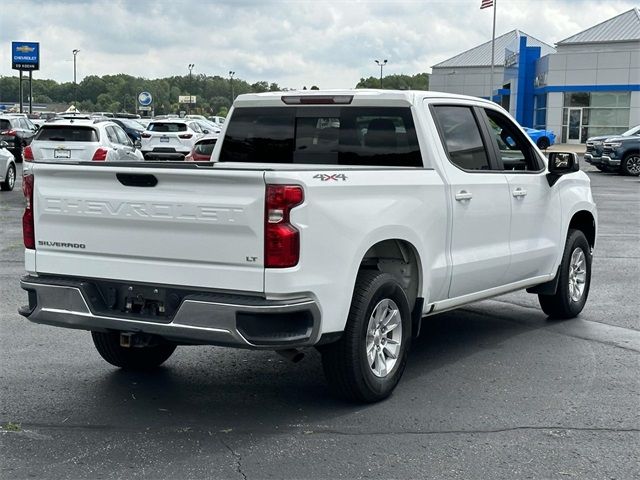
17,131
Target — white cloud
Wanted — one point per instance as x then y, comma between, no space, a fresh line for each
294,43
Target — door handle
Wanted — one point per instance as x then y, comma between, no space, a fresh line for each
463,195
519,192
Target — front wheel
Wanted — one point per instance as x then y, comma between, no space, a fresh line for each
366,364
543,143
575,279
9,180
134,357
631,164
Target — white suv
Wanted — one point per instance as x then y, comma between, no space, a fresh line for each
81,140
170,139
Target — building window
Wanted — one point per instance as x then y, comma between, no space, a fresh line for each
540,118
598,113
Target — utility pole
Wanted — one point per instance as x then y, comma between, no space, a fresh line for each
231,74
190,67
75,83
382,63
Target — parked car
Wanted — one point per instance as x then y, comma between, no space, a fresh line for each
81,140
595,147
132,128
315,236
622,154
543,138
7,168
217,120
170,139
202,149
18,131
208,127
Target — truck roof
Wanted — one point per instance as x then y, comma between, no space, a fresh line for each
361,97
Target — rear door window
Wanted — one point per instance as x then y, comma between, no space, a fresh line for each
67,133
167,127
122,137
376,136
5,124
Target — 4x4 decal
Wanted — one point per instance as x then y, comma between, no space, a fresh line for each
326,177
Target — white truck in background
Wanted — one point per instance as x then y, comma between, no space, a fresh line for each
337,220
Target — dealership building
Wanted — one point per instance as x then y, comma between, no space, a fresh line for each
587,85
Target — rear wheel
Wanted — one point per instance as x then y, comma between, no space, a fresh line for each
9,180
366,364
575,279
134,357
543,143
631,164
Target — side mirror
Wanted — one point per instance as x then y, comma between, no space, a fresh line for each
561,163
137,144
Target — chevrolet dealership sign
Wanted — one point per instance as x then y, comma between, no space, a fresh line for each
25,56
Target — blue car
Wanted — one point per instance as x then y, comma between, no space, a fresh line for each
543,138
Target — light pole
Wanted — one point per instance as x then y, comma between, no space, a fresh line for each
382,63
75,83
231,74
190,67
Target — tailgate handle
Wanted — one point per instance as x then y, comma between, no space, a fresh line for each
137,179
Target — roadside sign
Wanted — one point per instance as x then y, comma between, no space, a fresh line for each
144,109
145,99
186,99
25,56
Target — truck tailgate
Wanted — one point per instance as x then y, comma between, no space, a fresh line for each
194,227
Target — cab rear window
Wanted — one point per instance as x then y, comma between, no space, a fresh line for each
167,127
375,136
67,133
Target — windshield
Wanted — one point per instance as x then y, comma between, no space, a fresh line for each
634,131
376,136
132,124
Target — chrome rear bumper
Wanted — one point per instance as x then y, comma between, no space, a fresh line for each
207,318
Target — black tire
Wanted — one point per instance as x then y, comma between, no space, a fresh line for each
631,164
561,305
9,180
603,168
543,143
131,358
345,362
19,149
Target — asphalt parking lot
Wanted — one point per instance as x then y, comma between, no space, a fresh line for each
493,390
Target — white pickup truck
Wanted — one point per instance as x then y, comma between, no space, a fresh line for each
337,219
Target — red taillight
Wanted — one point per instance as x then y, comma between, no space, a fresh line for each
11,133
146,135
100,155
281,239
28,230
185,135
28,154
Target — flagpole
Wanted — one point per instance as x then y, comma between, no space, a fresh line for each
493,48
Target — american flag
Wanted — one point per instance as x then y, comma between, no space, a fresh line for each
486,4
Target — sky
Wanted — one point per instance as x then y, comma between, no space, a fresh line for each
295,43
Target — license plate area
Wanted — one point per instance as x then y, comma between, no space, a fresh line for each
164,139
61,153
144,302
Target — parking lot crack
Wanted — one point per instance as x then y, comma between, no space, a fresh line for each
552,430
237,457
